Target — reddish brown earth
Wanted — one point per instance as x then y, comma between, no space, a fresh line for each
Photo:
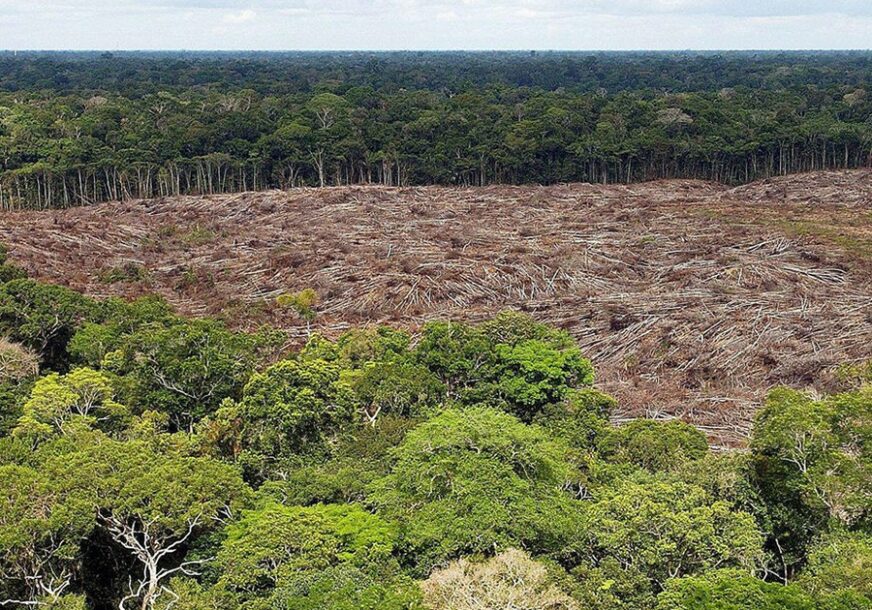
691,298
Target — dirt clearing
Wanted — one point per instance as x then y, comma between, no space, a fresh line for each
692,299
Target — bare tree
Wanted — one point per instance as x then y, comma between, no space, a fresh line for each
151,544
510,580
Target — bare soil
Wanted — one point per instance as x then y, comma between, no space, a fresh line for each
692,299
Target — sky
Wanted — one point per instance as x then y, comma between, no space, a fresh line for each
432,25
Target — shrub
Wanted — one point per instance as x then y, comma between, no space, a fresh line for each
8,271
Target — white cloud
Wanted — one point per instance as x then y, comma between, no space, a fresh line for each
446,16
531,13
240,17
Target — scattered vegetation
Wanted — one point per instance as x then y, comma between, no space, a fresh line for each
302,303
9,271
198,236
128,272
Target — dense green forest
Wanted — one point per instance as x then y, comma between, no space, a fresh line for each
153,461
133,74
79,128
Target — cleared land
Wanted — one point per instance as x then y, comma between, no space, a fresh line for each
691,298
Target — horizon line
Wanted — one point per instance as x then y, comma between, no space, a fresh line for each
447,50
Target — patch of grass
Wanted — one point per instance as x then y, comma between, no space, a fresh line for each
849,233
855,375
166,231
853,244
193,277
128,272
240,309
199,236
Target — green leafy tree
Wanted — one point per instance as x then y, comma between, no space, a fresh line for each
475,481
839,571
581,419
150,504
82,397
819,450
274,545
855,375
184,368
40,532
534,373
380,369
510,361
346,587
360,457
605,584
328,114
293,406
731,590
668,530
303,303
394,388
356,347
43,318
654,446
94,340
726,476
287,147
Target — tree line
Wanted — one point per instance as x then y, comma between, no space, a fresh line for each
59,150
152,461
137,73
